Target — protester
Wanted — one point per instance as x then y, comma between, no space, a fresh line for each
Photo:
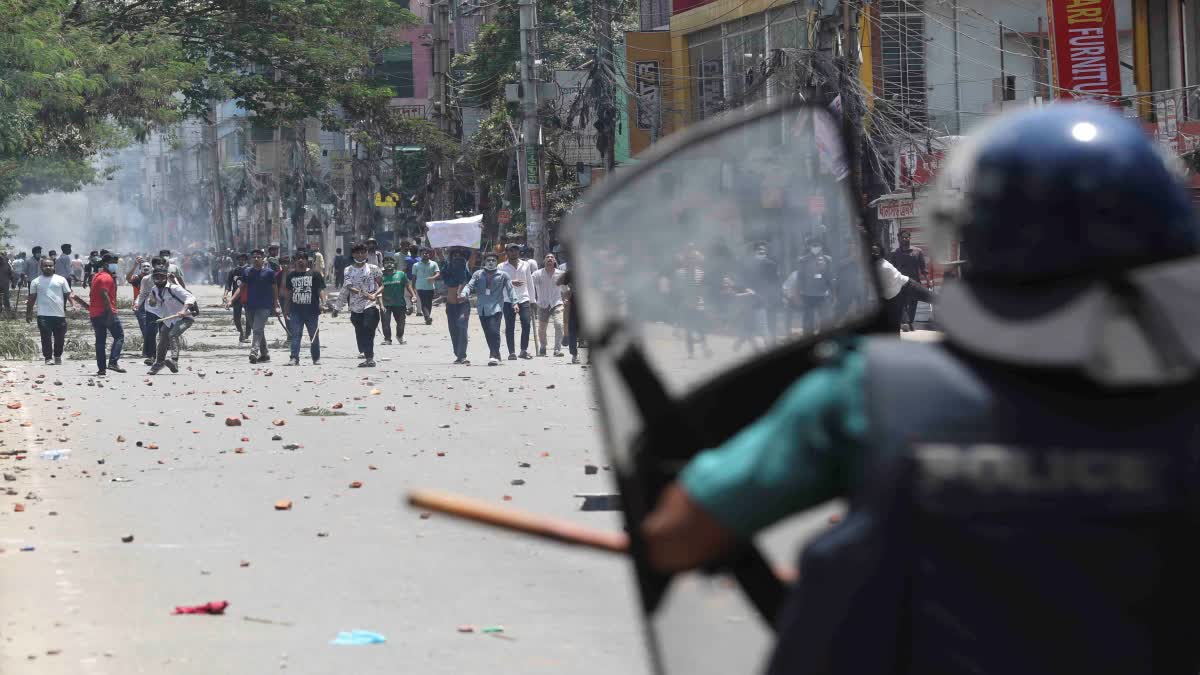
412,256
521,273
177,307
142,273
273,257
303,299
261,302
572,314
51,292
458,311
340,263
6,280
362,287
374,255
149,308
396,285
547,295
424,272
317,262
761,275
910,261
33,266
62,264
173,268
494,288
235,295
103,313
94,263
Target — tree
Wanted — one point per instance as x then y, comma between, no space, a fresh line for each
569,43
79,77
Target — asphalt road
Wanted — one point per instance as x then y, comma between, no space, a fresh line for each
152,458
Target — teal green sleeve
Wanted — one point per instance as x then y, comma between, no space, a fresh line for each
798,455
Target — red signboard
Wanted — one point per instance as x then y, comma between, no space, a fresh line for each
678,6
1083,35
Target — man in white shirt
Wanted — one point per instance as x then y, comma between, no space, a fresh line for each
521,274
176,306
51,292
547,295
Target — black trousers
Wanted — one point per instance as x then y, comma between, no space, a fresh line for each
510,325
237,319
53,330
426,302
400,315
365,323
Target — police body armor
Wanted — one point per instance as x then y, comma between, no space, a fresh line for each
1006,521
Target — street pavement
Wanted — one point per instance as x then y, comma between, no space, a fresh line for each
342,558
152,459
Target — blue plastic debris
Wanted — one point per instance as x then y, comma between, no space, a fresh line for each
358,637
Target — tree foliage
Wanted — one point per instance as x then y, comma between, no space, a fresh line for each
568,41
79,77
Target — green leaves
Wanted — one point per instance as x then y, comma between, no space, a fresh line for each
73,70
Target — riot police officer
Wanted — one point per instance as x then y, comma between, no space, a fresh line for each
1023,496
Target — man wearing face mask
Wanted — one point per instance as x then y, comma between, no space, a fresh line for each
362,289
423,273
811,286
910,260
177,307
103,311
51,292
494,288
396,287
762,277
149,310
455,275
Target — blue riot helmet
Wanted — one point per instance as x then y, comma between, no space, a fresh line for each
1081,247
1067,190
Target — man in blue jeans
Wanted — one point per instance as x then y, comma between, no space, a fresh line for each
494,288
303,298
261,302
103,311
455,275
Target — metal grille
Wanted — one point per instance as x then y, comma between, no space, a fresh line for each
902,63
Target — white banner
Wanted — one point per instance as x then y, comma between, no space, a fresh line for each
897,208
458,232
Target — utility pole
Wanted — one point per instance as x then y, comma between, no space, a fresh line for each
529,157
604,58
851,115
441,67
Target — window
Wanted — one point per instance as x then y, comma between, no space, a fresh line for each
902,64
396,71
708,70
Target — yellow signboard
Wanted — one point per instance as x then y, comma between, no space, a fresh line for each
390,199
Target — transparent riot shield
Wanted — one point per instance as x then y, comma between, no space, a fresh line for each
713,270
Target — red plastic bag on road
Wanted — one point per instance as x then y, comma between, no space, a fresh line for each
216,607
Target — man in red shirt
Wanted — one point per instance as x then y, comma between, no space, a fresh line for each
103,310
